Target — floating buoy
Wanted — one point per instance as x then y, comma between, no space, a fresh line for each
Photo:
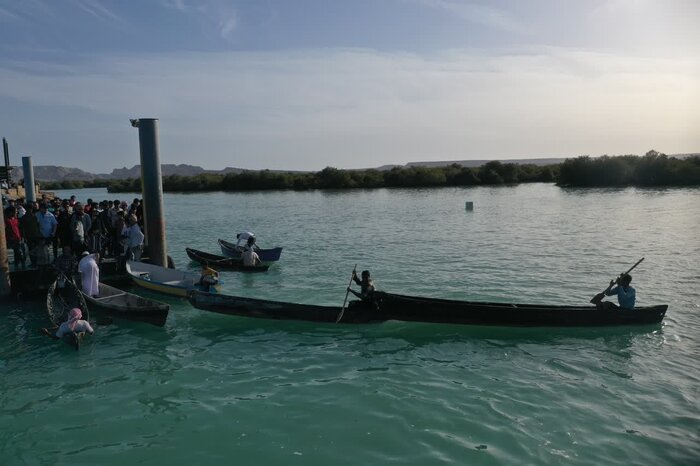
469,205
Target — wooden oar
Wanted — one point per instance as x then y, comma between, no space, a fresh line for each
598,298
347,293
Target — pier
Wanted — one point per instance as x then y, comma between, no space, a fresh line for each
32,282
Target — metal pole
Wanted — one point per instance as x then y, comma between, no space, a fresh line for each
152,189
29,188
5,288
6,151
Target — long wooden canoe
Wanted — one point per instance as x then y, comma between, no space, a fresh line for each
389,306
220,262
121,304
266,255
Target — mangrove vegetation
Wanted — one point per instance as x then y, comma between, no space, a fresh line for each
652,169
333,178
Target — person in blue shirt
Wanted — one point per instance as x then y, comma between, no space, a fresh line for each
47,227
626,295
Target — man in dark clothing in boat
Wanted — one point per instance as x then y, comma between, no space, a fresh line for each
626,295
366,293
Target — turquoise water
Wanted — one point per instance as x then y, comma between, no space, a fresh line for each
214,389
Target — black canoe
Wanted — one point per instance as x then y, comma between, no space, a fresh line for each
62,296
120,304
221,262
416,309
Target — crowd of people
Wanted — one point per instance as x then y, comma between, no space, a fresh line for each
41,232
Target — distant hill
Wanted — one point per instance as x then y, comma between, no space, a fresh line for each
56,173
475,163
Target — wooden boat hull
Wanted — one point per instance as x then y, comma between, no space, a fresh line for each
416,309
59,301
163,280
419,309
220,262
121,304
263,309
266,255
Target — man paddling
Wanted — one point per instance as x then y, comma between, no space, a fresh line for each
366,286
626,295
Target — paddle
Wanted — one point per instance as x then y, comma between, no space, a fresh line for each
599,297
347,293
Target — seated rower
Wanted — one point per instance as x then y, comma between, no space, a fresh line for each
209,278
74,325
626,295
250,257
366,286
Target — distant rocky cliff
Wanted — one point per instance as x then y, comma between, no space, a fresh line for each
54,173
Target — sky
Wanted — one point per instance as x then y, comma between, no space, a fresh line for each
307,84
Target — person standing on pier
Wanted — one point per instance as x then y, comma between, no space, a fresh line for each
20,208
120,226
29,227
63,232
80,225
47,227
90,273
135,240
13,236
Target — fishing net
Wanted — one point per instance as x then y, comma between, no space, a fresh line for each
64,295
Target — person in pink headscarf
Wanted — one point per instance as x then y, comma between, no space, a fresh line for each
74,325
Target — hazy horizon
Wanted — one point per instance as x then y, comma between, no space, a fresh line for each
304,85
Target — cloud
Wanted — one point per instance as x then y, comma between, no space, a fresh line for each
7,15
176,4
354,107
220,13
228,25
96,9
475,13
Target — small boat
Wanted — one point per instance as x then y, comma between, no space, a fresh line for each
62,296
164,280
121,304
220,262
387,306
234,251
